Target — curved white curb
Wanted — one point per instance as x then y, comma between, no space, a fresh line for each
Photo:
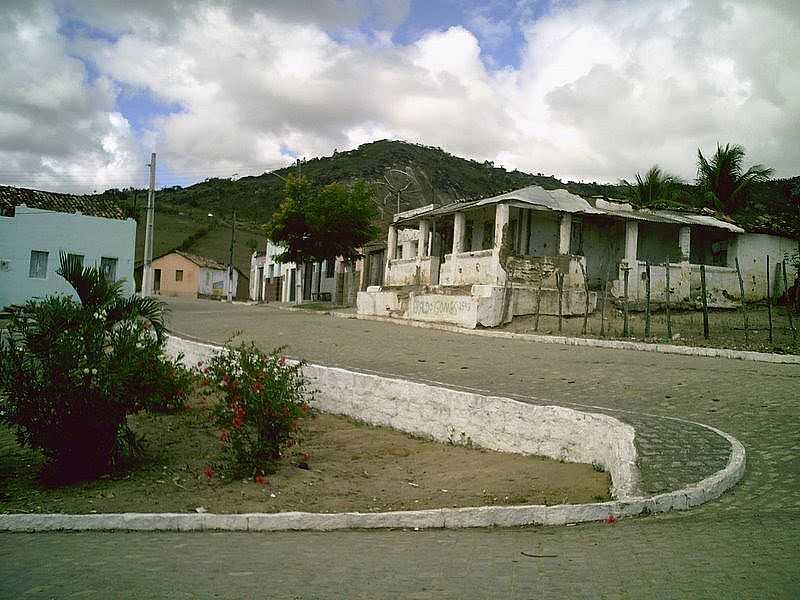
768,357
617,457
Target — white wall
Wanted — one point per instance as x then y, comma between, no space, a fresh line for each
54,232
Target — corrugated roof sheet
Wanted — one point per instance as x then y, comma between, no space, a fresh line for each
95,206
563,201
626,211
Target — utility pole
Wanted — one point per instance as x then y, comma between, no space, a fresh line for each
147,271
230,259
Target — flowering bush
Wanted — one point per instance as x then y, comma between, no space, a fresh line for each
71,371
262,403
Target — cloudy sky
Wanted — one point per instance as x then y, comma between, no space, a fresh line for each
589,90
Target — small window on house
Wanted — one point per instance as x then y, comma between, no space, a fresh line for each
330,268
109,267
38,267
179,275
399,251
576,236
271,271
78,257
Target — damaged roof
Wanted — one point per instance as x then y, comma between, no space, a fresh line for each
93,206
561,200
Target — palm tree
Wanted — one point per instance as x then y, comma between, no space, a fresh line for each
655,186
722,177
98,294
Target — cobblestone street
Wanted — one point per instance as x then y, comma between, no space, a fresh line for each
744,545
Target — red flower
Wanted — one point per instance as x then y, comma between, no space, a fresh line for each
261,480
256,387
281,361
611,519
224,436
238,416
306,456
209,473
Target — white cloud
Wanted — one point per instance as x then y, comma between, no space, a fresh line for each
603,88
57,130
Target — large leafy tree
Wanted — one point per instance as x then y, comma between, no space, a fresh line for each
316,224
654,187
724,179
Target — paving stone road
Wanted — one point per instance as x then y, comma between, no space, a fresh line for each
743,545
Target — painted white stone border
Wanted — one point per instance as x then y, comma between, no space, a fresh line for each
484,516
768,357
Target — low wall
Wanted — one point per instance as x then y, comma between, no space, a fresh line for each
454,416
499,423
469,268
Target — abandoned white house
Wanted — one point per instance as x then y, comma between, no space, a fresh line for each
273,281
485,261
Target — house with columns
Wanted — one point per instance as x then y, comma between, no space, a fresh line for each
484,261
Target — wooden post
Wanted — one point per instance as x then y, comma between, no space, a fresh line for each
744,304
647,328
788,301
538,302
769,303
586,292
705,300
560,286
625,327
667,292
603,308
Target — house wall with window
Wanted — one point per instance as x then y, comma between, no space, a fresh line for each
31,240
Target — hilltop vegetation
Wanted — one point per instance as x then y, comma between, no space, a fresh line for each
430,175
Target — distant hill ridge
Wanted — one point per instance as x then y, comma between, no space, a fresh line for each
432,176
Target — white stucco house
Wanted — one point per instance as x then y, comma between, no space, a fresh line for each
482,262
271,280
36,226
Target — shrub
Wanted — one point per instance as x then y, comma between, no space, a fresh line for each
72,370
262,403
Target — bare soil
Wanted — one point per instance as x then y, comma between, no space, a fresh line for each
726,328
353,467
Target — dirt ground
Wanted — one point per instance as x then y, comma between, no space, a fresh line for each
726,328
353,467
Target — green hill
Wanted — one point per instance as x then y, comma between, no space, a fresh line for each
428,175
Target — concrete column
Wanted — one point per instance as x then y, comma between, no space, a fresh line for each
459,224
564,233
501,215
424,233
391,243
631,241
685,242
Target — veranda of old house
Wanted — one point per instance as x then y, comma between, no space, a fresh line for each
459,252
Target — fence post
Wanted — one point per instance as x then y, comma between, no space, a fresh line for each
647,329
586,292
744,304
538,302
769,303
625,328
560,286
705,300
666,299
789,306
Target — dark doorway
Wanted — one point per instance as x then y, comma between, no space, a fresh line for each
260,285
157,280
292,284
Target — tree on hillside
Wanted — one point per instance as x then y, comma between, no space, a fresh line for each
723,180
317,224
654,187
